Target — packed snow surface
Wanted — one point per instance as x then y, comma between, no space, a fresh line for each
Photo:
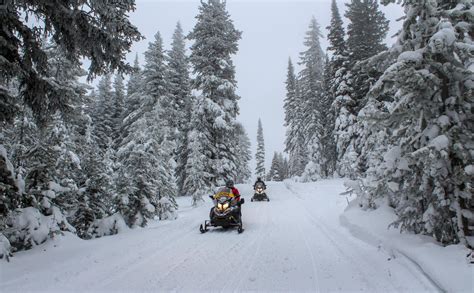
294,242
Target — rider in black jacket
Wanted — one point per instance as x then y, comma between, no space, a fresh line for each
259,180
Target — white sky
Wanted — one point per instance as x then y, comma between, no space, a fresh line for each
273,30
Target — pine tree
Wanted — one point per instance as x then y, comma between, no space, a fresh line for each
336,85
260,154
420,108
336,40
132,100
294,142
104,112
146,181
366,32
96,199
243,154
328,144
117,115
101,33
274,173
216,106
180,92
133,83
312,90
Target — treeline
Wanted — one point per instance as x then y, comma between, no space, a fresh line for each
96,161
397,121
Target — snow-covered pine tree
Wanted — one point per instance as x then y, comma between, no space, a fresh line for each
10,196
118,100
49,156
213,121
279,169
244,154
180,93
133,84
334,83
47,88
95,197
422,108
294,141
285,167
366,33
275,169
260,153
104,111
337,44
132,101
50,188
146,181
311,84
101,33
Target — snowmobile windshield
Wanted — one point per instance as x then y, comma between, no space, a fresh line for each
259,185
224,192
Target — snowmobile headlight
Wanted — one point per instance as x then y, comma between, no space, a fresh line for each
219,206
225,206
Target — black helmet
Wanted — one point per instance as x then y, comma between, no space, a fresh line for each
229,183
259,178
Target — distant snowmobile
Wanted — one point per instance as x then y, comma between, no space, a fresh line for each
226,211
260,192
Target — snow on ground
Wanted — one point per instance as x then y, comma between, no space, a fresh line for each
447,267
294,242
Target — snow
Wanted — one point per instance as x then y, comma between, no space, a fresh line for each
469,170
411,56
58,188
446,267
108,226
295,242
441,142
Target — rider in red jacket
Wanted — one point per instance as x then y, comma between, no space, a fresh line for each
235,191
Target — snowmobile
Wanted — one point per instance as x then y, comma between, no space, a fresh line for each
260,193
226,211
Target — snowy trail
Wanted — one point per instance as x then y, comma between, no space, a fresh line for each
294,242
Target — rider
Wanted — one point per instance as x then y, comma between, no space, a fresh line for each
230,184
259,180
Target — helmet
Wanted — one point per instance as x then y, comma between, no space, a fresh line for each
259,178
229,183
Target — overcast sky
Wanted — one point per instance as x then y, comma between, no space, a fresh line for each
273,30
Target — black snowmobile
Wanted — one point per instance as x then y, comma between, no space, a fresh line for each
260,192
225,213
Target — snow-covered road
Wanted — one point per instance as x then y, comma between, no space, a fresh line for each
294,242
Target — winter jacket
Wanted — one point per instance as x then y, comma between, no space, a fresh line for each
255,184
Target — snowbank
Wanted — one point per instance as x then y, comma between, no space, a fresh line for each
446,267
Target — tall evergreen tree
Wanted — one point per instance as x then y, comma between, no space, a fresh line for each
336,40
180,93
132,101
366,32
243,154
260,154
146,181
133,83
295,140
215,41
311,84
104,112
275,169
335,79
119,102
